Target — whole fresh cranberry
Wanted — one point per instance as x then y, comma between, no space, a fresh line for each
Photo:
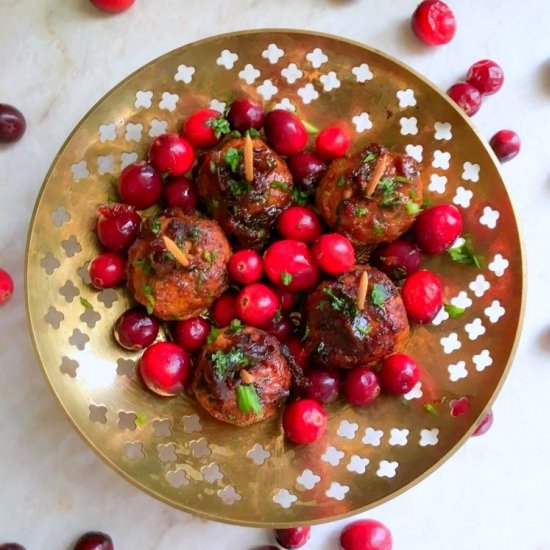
285,132
191,334
399,373
11,546
94,540
466,96
107,270
180,192
113,6
6,286
281,327
140,185
506,145
485,425
434,22
117,226
300,223
256,305
165,368
437,228
366,534
334,253
323,385
245,266
287,298
223,310
332,142
398,259
171,154
361,386
422,295
136,329
487,76
267,547
244,114
12,124
205,128
293,537
290,264
304,421
307,169
299,351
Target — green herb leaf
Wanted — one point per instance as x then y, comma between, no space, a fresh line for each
369,157
311,130
379,295
220,125
413,194
247,399
426,202
276,184
286,278
378,229
235,134
430,409
361,211
240,187
344,304
156,225
212,335
300,196
454,311
113,197
232,157
194,233
86,304
253,133
465,254
235,327
362,326
144,265
212,167
388,200
148,292
141,418
341,182
412,208
224,360
401,179
210,255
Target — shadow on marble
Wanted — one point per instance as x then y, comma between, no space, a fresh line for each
543,77
543,339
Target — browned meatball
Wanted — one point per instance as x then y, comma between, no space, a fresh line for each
157,275
245,210
344,336
371,197
242,377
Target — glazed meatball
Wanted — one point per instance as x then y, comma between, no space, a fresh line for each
242,377
178,265
245,210
344,336
371,197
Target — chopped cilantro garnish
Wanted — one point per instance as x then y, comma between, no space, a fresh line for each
300,196
413,194
212,167
144,265
429,408
361,211
465,254
454,311
362,326
369,157
252,132
200,279
224,360
232,157
311,130
276,184
235,134
344,304
235,327
286,278
247,399
210,255
412,208
388,193
194,233
379,295
148,292
426,202
341,182
113,197
240,187
86,304
220,125
401,179
156,225
378,229
141,418
212,335
168,256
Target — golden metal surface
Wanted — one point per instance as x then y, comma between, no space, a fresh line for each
252,476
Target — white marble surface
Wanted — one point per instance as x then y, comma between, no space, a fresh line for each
57,57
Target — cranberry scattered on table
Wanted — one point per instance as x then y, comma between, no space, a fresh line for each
506,145
434,22
11,546
486,75
12,124
113,6
6,286
366,534
293,537
485,425
466,96
94,540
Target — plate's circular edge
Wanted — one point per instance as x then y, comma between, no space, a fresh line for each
434,466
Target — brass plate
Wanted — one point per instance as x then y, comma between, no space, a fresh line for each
252,476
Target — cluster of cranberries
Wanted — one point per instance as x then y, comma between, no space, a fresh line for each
93,540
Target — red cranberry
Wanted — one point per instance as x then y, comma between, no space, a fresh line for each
223,310
107,270
294,537
466,96
485,425
268,547
191,334
117,226
171,154
307,169
165,368
399,373
299,351
12,124
256,305
332,142
304,421
437,228
422,295
361,386
398,259
281,328
136,329
506,145
299,223
140,185
366,534
112,6
245,266
334,253
289,264
205,128
285,132
243,115
323,385
11,546
434,22
287,298
487,76
6,286
180,192
94,540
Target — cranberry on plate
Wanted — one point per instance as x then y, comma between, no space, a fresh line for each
487,76
332,142
117,226
300,223
107,270
399,374
256,305
466,96
285,132
165,368
12,124
323,385
181,193
398,259
287,298
334,253
205,128
307,169
244,114
6,286
485,425
434,22
506,145
94,540
245,266
437,228
293,537
422,295
191,334
299,351
366,534
140,185
223,310
171,154
361,386
304,421
113,6
136,329
280,327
